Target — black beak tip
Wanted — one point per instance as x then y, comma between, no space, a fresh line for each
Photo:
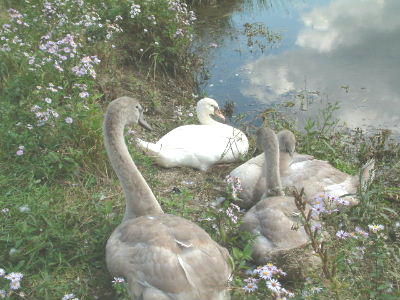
144,124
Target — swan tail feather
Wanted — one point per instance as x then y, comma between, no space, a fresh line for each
150,149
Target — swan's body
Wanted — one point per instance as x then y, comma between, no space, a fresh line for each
271,219
199,146
315,176
318,176
168,257
162,257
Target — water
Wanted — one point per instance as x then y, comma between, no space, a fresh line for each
331,50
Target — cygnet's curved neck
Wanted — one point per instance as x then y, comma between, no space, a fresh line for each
270,145
140,200
285,160
204,117
287,145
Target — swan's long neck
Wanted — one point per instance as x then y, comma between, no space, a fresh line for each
285,159
205,119
139,197
287,145
270,145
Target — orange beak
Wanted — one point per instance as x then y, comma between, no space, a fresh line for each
218,113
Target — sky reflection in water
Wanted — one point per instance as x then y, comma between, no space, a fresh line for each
349,51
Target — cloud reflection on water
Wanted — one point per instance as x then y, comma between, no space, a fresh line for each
354,43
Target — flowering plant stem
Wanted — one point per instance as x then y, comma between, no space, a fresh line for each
319,247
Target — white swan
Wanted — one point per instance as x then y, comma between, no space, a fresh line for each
250,172
162,256
199,146
271,219
316,176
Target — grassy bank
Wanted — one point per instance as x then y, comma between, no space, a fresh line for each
61,63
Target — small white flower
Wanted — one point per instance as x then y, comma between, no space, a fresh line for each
118,280
3,294
14,276
2,272
266,274
5,210
290,295
24,209
21,147
48,100
190,114
250,287
15,285
343,201
274,285
68,296
317,209
20,152
376,228
69,120
83,94
12,252
342,234
316,226
135,10
316,290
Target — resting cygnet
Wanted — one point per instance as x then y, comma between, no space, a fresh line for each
251,174
316,176
272,218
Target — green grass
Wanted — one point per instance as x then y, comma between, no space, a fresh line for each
56,242
60,200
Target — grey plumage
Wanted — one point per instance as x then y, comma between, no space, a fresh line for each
272,218
300,171
252,173
162,257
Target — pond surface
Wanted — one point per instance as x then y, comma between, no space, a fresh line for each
331,50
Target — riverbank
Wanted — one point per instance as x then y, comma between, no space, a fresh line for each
61,199
62,62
